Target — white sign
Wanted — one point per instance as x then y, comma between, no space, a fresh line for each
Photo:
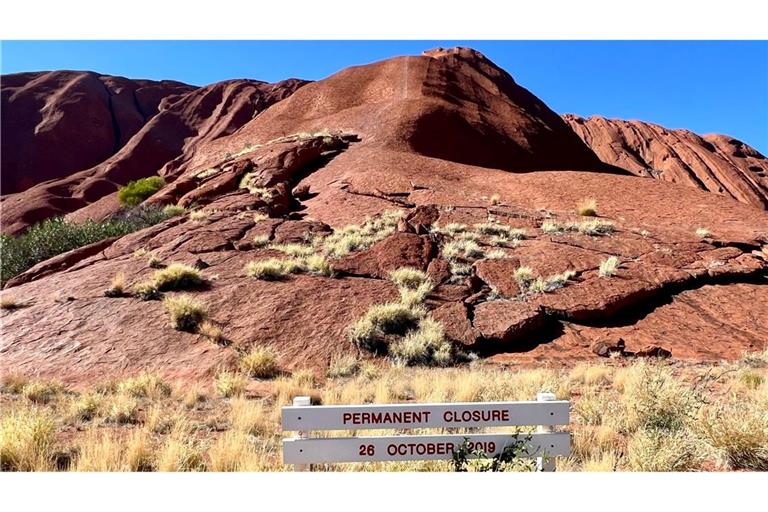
441,415
438,447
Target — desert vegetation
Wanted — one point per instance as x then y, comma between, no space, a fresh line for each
587,207
137,191
55,236
626,415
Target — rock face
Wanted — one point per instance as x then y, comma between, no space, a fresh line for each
162,144
716,163
61,122
446,139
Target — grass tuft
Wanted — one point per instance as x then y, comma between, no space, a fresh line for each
587,207
260,363
609,267
185,312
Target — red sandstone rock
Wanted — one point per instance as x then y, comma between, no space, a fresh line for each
460,129
716,163
504,320
399,250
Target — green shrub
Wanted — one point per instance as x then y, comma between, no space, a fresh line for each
137,191
55,236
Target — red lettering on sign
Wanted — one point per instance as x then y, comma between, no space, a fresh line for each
498,415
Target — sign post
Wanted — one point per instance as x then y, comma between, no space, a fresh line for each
303,450
545,463
302,401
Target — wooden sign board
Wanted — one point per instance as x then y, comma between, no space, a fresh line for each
440,415
398,448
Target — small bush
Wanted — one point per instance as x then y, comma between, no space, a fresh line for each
423,346
343,365
354,238
13,383
609,267
213,332
552,227
260,241
41,392
523,276
412,297
738,434
154,261
551,283
173,210
8,301
497,254
199,215
408,277
651,450
116,286
596,227
177,276
260,363
294,250
462,249
318,264
146,385
86,406
56,236
185,312
703,233
494,200
587,207
26,440
137,191
146,290
451,229
229,384
270,269
383,319
501,231
123,409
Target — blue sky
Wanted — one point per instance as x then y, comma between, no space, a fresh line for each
705,86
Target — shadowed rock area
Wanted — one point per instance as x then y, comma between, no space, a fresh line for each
463,154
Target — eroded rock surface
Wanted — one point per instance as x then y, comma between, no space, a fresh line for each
304,168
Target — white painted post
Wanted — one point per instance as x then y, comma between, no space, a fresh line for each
545,463
302,401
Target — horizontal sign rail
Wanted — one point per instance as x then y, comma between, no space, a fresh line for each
394,448
441,415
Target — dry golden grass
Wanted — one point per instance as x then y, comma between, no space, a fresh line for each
229,384
641,415
116,286
26,440
260,363
185,312
148,385
343,365
587,207
213,332
8,301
